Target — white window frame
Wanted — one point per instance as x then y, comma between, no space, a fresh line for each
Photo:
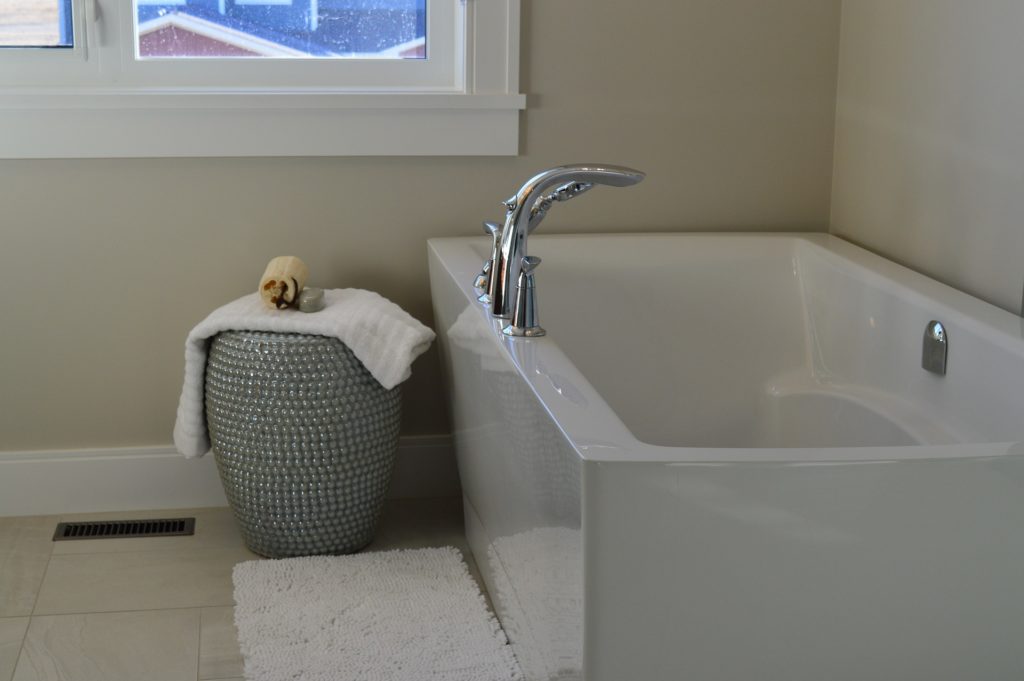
442,73
97,100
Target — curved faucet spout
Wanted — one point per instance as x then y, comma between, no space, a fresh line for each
584,173
530,205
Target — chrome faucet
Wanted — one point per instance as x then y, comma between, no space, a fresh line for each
483,280
524,319
528,208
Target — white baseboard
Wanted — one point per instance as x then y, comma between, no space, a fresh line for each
139,478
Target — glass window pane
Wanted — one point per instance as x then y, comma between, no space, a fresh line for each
35,23
328,29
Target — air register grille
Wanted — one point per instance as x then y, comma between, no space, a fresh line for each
107,529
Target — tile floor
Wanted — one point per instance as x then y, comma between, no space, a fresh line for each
149,609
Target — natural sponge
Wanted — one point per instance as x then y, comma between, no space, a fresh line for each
282,281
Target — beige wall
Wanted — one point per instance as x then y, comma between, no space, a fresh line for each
727,104
929,156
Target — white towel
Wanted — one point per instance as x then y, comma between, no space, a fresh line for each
383,336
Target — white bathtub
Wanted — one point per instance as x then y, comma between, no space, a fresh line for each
726,462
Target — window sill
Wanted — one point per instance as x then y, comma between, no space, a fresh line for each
110,123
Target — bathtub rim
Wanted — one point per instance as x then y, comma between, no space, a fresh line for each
598,435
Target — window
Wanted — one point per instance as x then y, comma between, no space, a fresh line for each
82,78
317,29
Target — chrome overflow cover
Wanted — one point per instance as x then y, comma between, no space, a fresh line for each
935,352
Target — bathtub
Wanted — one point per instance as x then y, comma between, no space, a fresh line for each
725,462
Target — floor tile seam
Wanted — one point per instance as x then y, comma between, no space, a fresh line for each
29,552
33,544
13,549
19,523
202,629
199,643
24,637
177,552
21,648
127,515
39,584
131,610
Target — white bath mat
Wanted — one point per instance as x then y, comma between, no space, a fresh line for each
392,616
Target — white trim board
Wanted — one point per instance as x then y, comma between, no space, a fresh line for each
97,131
141,478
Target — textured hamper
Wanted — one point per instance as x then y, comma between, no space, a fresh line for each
304,438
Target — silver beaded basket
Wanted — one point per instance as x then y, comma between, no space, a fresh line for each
305,440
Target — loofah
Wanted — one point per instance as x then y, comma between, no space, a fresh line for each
282,281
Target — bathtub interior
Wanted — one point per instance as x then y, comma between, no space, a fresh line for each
749,342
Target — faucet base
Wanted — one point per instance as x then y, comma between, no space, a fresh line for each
517,332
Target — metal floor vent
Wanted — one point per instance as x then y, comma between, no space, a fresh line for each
108,529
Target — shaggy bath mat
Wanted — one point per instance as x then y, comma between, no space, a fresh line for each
391,616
